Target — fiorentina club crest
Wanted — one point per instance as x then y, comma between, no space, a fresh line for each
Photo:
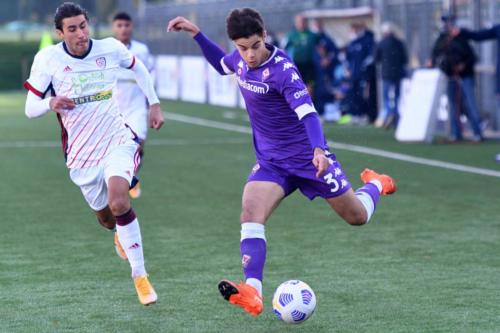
101,62
265,74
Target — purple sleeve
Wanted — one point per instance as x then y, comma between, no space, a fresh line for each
211,51
292,87
314,130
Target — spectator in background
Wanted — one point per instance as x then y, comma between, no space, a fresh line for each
455,57
325,60
272,39
482,35
362,84
391,54
301,45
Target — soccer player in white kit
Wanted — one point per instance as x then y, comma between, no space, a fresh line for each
131,100
76,79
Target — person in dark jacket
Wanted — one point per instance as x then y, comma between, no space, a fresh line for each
325,60
360,59
391,54
492,33
455,57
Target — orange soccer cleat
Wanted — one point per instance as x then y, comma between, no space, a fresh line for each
145,291
243,295
119,249
388,184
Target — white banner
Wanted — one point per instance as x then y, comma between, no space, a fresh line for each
167,76
419,107
221,89
194,79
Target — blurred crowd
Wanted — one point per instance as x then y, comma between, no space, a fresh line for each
343,81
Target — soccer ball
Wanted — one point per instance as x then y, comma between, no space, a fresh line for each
294,301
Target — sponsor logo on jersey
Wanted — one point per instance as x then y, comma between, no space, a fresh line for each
253,86
265,74
101,62
101,96
300,93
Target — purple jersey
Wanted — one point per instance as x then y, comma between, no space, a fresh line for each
276,99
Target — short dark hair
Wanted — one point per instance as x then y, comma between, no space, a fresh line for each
243,23
68,9
122,16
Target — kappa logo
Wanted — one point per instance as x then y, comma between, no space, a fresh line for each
295,77
240,64
287,65
245,260
278,59
67,69
101,62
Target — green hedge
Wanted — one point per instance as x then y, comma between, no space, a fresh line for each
15,63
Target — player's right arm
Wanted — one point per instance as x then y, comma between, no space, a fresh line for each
213,53
38,85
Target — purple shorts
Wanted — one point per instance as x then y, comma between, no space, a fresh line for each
292,175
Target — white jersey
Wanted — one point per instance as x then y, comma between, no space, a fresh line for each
129,93
95,126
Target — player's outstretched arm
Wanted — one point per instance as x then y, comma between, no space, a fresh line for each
145,82
36,106
212,52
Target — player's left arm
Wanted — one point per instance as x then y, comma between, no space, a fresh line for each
145,82
296,94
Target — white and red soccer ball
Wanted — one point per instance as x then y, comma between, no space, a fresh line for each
294,302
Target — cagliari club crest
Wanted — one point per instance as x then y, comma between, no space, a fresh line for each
101,62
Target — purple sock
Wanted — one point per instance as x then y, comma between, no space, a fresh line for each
253,257
371,190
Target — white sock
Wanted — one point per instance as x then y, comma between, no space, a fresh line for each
367,202
257,284
130,239
252,230
377,183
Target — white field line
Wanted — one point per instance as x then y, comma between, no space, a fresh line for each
344,146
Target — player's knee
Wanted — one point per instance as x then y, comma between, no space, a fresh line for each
119,206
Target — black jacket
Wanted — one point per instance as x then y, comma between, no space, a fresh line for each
454,56
392,55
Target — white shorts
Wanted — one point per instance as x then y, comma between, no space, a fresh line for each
122,161
137,119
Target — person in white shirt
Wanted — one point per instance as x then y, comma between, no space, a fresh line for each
131,100
76,80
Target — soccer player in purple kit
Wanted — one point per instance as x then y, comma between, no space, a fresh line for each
290,147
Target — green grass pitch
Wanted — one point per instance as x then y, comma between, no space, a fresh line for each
429,261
